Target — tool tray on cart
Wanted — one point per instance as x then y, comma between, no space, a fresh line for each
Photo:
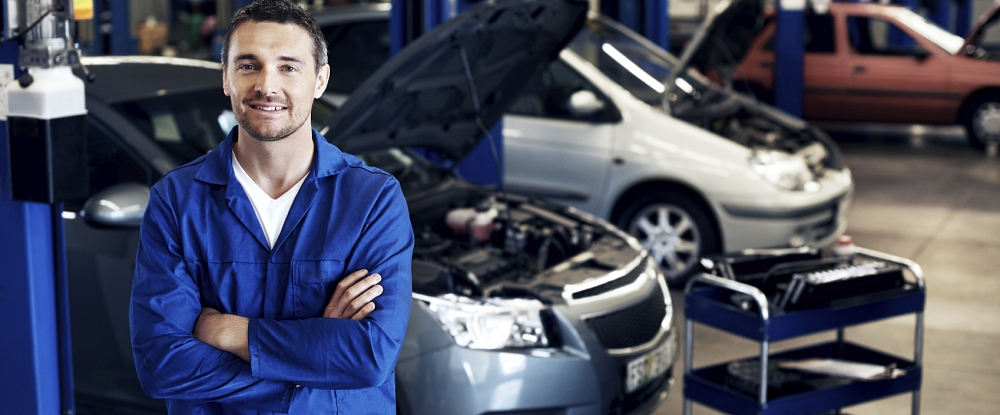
874,287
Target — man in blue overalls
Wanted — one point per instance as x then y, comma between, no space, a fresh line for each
273,274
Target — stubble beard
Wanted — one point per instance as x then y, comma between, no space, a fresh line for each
282,132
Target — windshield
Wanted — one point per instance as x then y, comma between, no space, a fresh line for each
940,37
188,125
636,65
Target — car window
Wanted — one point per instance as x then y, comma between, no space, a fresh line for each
185,125
356,50
628,61
108,163
874,36
817,34
188,125
548,95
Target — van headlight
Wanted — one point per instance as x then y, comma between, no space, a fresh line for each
490,324
786,171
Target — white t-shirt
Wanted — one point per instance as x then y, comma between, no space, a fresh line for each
270,212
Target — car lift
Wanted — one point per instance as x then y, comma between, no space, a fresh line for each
42,163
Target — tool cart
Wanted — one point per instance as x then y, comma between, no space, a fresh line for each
772,295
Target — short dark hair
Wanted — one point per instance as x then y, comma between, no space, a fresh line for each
277,11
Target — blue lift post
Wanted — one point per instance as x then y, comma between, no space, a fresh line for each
112,16
896,36
651,18
963,17
789,55
397,26
940,14
29,352
628,14
656,22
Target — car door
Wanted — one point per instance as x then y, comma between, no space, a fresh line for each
100,263
823,70
894,76
554,151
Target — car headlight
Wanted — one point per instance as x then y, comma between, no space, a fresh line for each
786,171
490,324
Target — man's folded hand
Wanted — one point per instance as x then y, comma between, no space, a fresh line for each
354,296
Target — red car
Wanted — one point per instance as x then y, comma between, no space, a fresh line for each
869,62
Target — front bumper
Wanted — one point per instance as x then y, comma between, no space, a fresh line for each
817,223
582,376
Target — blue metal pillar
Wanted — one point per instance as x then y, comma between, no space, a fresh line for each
112,29
963,17
656,22
789,54
940,14
896,36
437,12
29,353
628,14
398,18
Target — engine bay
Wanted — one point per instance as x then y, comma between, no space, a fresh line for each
486,244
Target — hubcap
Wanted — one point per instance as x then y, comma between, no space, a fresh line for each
986,121
670,235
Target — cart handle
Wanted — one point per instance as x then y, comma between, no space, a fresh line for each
918,272
731,285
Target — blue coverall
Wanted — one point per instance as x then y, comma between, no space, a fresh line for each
201,245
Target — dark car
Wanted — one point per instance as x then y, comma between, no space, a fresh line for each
519,305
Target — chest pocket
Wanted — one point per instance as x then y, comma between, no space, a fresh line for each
313,283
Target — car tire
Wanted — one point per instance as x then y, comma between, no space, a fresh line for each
676,230
982,119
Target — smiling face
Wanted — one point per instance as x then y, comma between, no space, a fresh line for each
271,79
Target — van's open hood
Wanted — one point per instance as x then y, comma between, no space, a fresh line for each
990,17
442,90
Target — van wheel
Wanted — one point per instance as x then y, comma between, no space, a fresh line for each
674,228
982,121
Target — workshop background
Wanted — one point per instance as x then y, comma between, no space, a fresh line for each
929,193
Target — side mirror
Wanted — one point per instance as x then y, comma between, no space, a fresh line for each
121,205
921,53
584,103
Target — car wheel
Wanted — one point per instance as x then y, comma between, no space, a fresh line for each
982,121
674,228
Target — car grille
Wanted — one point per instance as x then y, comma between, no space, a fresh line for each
632,326
615,283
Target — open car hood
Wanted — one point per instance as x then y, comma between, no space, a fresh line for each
990,17
723,38
445,88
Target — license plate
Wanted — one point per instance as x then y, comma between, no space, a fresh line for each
649,366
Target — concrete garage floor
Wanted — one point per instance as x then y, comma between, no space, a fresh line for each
931,198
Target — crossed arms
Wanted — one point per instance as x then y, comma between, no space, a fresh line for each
185,350
352,300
